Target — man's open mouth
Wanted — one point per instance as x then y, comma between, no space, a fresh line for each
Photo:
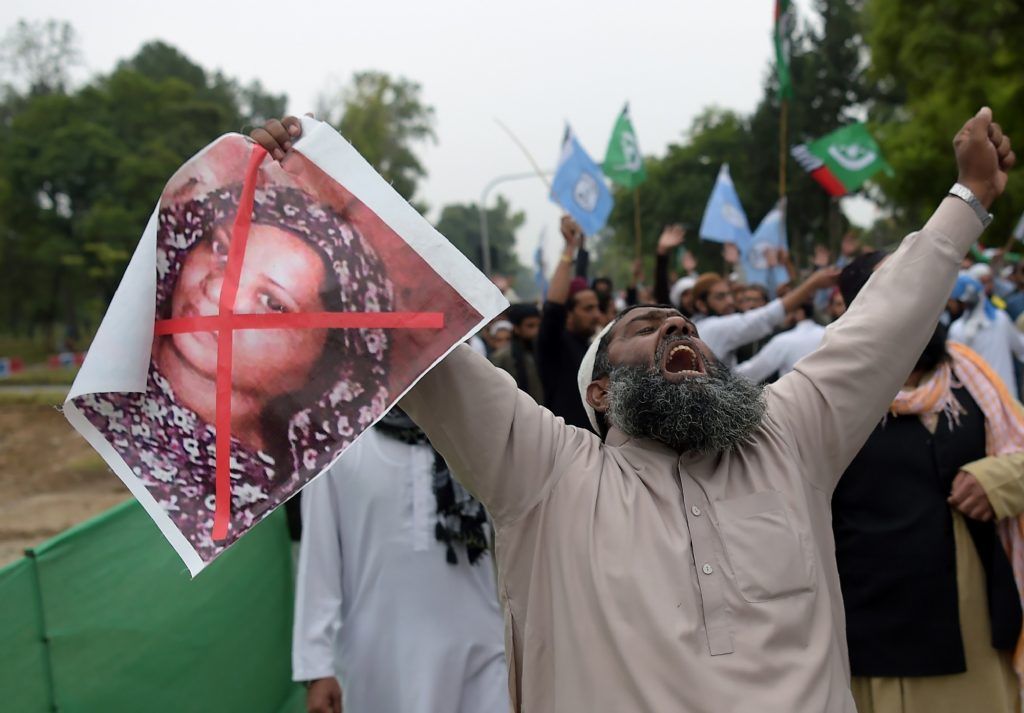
683,360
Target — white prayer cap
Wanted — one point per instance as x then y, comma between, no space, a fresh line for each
586,374
681,285
500,325
979,271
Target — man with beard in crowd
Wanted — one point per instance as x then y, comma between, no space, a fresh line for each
684,559
725,330
785,349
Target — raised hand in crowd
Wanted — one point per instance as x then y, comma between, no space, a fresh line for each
689,263
731,253
558,288
804,292
671,238
983,156
572,233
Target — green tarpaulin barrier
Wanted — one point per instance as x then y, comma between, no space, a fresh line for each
24,679
105,618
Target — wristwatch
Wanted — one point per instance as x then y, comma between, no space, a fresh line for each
967,196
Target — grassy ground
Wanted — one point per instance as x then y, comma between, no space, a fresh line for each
42,376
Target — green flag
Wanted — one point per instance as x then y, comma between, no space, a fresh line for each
784,20
623,162
843,160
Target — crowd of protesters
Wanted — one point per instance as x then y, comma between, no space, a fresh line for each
670,535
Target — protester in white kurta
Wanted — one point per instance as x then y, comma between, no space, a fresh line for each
783,351
725,333
987,330
377,603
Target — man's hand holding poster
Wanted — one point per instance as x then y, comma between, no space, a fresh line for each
272,313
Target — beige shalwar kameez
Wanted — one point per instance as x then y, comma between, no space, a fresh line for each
634,579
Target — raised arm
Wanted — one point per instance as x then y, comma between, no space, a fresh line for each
834,397
726,334
558,288
506,450
763,364
497,441
804,292
671,238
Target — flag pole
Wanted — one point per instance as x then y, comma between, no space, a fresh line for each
783,140
526,153
636,220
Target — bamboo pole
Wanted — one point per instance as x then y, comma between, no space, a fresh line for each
783,142
636,221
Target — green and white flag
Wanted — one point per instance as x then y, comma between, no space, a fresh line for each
785,18
842,160
623,162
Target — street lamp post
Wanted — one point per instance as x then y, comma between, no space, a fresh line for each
485,242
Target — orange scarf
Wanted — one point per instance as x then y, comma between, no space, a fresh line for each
1004,433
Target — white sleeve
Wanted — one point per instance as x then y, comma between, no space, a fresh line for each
725,335
318,593
763,364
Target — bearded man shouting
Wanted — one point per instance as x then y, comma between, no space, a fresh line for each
684,560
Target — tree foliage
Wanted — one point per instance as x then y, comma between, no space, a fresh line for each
828,71
460,223
936,62
83,169
383,117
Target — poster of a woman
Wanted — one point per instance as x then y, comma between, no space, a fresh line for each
298,395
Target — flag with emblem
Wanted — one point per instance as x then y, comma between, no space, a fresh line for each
724,218
623,162
579,186
843,160
770,236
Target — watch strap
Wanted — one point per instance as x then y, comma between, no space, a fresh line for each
967,196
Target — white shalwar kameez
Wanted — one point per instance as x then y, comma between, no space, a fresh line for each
378,605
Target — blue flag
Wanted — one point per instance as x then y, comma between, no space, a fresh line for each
770,235
724,220
579,186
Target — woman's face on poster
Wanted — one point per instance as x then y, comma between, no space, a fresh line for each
282,274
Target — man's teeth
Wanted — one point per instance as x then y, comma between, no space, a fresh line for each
691,364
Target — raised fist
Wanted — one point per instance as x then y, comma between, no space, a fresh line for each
983,156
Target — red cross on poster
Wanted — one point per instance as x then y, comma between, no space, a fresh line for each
270,315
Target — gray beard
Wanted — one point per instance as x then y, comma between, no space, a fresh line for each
703,414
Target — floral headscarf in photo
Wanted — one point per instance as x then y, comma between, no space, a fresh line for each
357,282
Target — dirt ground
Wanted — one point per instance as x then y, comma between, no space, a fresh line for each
50,478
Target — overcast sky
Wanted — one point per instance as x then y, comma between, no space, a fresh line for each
534,65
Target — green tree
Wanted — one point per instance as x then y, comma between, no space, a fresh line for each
37,56
81,174
460,223
827,67
937,63
383,117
